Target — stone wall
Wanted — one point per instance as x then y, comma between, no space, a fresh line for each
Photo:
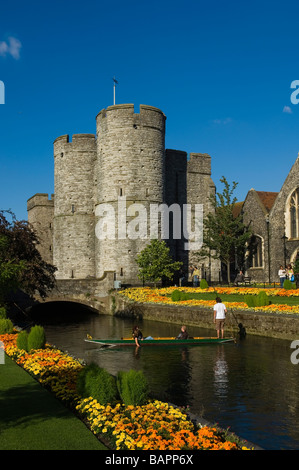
200,188
40,216
176,193
74,238
278,225
130,169
255,216
256,323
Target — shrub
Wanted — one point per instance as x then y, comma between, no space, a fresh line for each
249,299
22,340
36,338
257,300
6,326
93,381
3,313
204,284
176,295
287,284
132,387
184,296
261,299
81,379
103,388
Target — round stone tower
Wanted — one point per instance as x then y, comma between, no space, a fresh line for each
129,178
73,244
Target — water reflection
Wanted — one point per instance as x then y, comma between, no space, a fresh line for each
250,386
220,373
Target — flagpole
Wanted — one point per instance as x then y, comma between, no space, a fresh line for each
114,84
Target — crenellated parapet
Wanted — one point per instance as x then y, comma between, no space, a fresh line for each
83,142
200,163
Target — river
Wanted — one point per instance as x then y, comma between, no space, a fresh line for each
250,386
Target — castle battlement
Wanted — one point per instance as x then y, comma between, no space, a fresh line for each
200,163
40,199
83,142
123,115
125,159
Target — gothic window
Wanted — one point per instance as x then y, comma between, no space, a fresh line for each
257,252
294,214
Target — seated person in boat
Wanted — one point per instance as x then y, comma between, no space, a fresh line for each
137,335
183,334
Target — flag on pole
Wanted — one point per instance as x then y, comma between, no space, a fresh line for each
115,82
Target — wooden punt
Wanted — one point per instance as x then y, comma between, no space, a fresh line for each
166,341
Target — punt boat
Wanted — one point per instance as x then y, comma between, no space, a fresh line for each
160,341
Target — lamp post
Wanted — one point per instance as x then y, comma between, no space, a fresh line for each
268,242
284,238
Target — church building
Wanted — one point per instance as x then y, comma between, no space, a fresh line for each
274,220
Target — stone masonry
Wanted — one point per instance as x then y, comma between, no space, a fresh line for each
126,170
269,216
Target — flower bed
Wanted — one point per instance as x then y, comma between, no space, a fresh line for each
155,425
150,295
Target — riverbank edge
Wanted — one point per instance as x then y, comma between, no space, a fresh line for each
198,421
273,325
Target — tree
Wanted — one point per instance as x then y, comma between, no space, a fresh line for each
10,269
21,265
224,235
155,262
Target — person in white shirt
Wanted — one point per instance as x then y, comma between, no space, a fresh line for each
282,276
219,316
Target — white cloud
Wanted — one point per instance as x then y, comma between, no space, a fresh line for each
10,47
222,121
287,110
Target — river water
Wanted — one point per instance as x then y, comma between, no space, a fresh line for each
250,386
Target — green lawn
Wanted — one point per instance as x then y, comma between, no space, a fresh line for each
241,298
31,418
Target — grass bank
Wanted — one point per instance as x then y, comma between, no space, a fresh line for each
31,418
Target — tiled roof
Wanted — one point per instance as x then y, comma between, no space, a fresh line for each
267,198
237,208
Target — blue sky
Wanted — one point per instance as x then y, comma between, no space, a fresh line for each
221,71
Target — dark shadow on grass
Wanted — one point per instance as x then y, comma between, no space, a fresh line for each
28,404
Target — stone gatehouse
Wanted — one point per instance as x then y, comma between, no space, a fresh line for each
125,164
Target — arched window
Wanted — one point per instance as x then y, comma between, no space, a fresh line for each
293,209
257,252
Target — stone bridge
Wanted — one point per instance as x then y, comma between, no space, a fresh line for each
93,293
